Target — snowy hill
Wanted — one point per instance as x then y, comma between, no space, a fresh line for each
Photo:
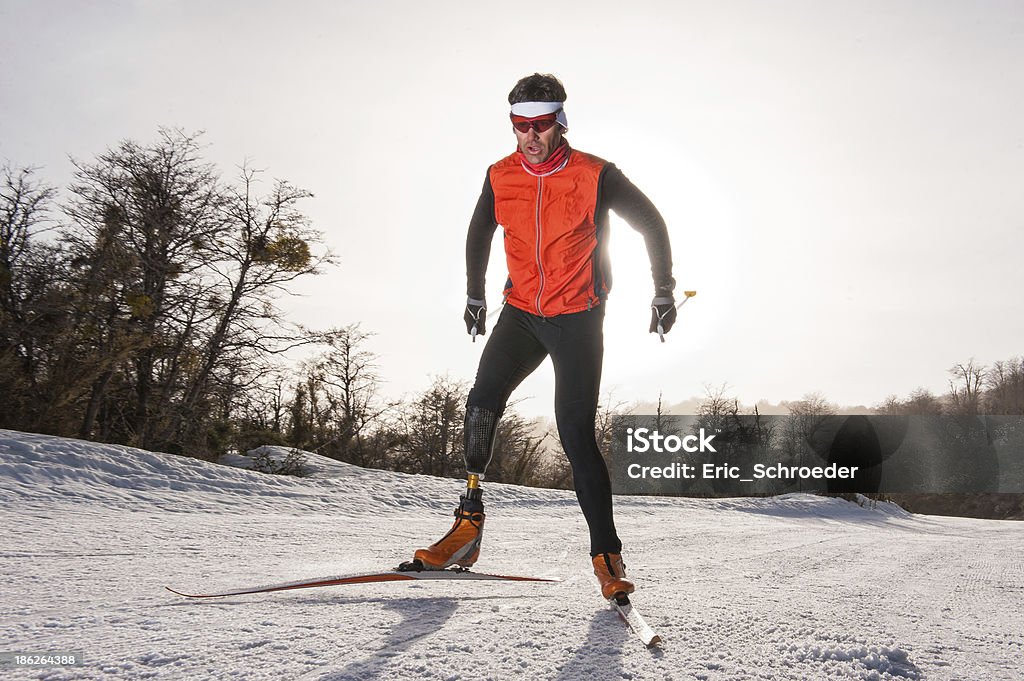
795,587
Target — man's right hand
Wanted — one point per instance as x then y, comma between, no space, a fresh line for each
475,318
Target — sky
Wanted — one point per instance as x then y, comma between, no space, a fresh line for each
841,180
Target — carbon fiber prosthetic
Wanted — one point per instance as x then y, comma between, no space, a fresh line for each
480,428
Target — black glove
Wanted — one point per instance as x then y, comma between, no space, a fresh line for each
663,315
475,318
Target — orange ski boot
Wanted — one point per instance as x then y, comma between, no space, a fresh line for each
611,572
461,545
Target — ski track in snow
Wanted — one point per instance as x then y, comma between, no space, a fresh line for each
792,587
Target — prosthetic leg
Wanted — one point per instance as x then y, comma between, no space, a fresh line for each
461,545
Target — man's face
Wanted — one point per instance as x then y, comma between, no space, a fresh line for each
538,146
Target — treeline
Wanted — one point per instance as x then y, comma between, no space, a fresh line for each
332,405
973,389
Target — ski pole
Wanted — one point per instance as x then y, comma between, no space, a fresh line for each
474,333
661,330
476,322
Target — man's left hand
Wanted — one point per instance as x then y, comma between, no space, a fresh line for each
663,314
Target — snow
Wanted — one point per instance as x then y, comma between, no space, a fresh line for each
792,587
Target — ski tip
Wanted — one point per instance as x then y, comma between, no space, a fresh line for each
182,593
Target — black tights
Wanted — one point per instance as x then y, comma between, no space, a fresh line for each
575,342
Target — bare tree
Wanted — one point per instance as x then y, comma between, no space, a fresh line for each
660,422
519,455
716,410
347,376
25,205
890,406
801,428
26,271
965,388
1005,394
265,245
432,428
922,402
738,436
605,423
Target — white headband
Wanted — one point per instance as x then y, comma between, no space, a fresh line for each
534,109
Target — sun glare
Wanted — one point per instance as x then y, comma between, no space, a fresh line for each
702,225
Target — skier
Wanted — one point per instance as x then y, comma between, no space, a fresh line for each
552,202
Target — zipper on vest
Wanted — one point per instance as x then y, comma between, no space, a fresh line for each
540,266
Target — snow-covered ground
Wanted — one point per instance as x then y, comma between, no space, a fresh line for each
794,587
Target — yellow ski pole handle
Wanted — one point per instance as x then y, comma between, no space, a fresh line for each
661,330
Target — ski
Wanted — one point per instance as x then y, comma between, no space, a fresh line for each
405,575
634,620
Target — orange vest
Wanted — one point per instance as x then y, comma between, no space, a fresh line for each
552,242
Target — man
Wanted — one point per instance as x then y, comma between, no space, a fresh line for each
552,203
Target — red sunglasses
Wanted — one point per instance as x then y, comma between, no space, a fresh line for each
540,124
